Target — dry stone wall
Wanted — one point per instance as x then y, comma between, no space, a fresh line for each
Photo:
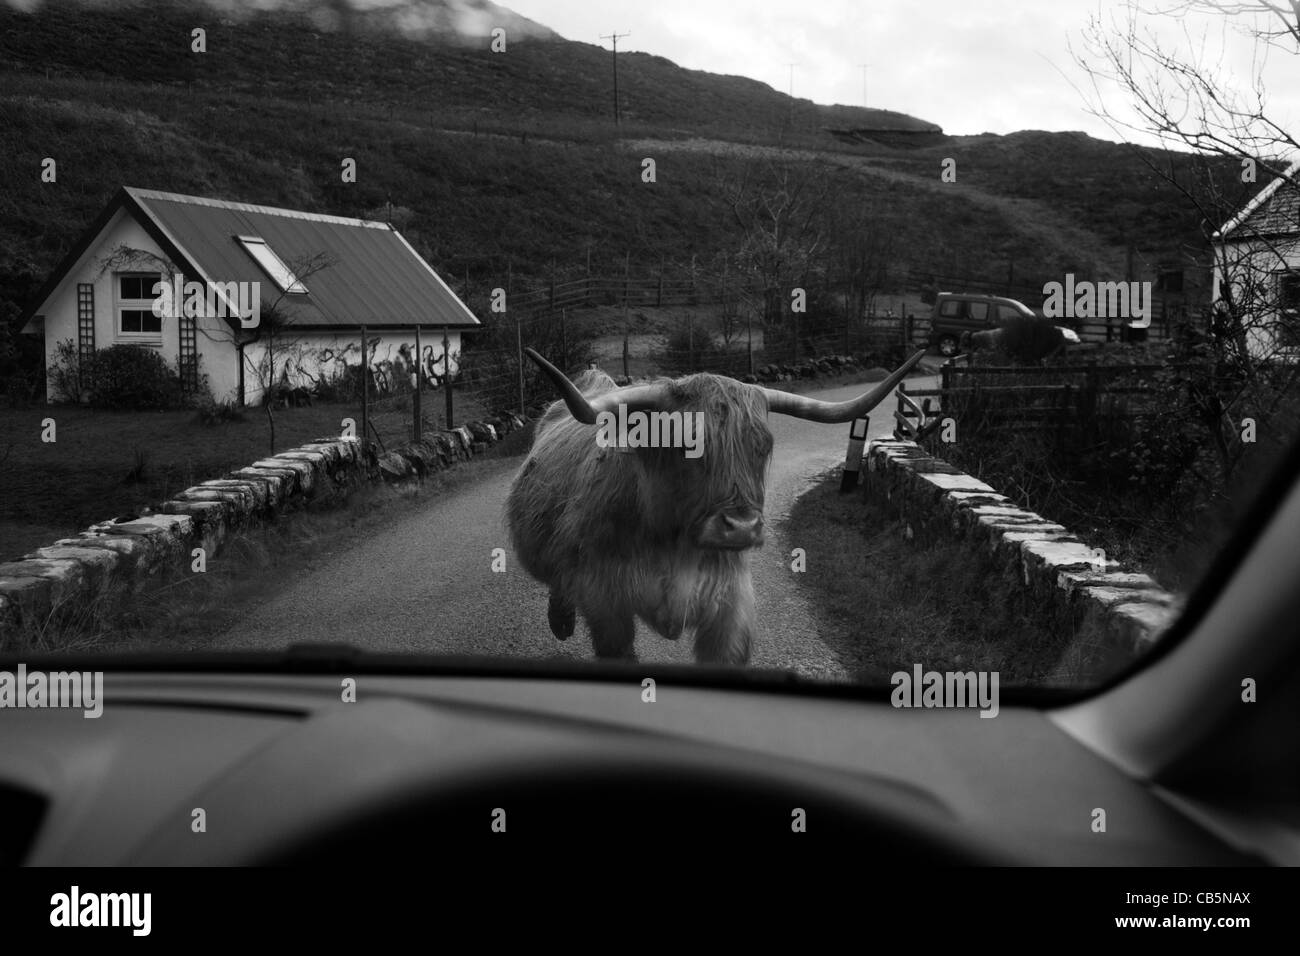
130,551
1128,609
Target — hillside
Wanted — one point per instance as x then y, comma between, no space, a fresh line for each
499,165
383,59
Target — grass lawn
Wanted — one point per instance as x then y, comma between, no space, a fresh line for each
885,603
104,464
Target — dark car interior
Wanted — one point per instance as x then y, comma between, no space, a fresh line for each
436,752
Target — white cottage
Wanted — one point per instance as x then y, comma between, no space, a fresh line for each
1257,266
267,295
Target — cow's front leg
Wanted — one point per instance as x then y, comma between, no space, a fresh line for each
560,614
613,630
726,624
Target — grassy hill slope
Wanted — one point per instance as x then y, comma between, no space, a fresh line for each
499,164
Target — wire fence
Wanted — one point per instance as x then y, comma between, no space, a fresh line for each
718,327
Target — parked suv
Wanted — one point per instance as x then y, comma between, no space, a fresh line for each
958,312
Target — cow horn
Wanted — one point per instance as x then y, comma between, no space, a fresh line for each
815,410
633,396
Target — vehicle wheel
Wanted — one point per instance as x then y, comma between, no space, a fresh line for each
948,346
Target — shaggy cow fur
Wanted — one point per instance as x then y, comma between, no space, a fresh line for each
614,532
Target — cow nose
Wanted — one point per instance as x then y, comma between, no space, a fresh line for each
743,519
733,529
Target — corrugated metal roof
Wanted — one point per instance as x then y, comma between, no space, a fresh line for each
376,278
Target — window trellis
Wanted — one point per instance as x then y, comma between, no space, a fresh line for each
188,354
85,331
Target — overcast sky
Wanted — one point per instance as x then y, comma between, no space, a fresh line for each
971,66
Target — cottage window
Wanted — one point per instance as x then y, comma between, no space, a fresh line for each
1288,309
134,305
1288,292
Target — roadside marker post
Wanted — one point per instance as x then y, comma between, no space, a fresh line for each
853,458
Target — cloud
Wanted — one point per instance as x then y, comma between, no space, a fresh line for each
969,65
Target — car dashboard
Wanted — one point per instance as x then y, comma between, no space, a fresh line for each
219,769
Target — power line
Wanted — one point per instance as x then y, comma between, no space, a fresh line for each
618,120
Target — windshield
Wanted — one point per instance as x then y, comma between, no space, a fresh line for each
457,335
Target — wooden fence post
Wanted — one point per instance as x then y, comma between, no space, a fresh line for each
749,336
1064,414
419,390
1093,384
564,339
795,316
519,358
848,322
900,413
446,372
365,391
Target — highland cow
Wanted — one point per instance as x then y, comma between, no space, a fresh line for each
647,531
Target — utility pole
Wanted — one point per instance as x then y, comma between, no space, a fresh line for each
864,83
618,121
792,66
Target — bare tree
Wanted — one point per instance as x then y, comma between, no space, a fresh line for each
860,249
780,208
1177,91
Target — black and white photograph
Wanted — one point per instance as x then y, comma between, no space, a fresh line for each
441,434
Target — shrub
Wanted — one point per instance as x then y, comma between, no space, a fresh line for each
689,349
22,360
133,377
344,385
65,380
219,413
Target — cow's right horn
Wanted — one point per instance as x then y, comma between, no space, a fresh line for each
633,396
815,410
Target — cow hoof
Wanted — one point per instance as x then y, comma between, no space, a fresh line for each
562,617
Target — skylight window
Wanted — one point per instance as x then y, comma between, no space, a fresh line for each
273,265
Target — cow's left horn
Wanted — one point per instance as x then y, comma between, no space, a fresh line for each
815,410
633,396
579,407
